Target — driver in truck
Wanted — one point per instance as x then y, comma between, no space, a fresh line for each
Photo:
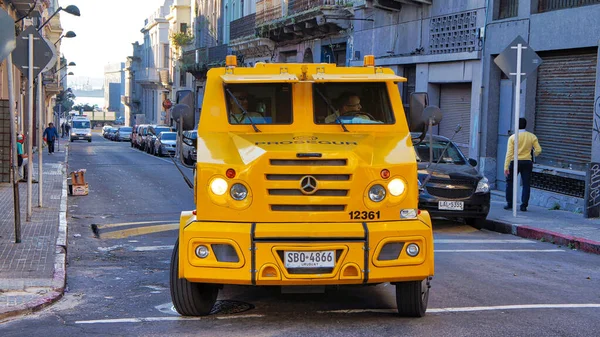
347,103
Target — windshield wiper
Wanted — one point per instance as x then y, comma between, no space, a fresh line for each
244,112
337,118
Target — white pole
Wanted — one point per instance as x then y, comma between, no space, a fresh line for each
40,128
519,48
30,129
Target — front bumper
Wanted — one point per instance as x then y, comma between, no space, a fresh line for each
260,249
475,206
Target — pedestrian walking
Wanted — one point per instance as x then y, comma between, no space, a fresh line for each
50,135
527,142
22,158
62,130
67,129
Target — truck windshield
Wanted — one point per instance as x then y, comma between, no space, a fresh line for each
354,103
266,103
81,124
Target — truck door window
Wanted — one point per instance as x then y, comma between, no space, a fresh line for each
354,103
266,103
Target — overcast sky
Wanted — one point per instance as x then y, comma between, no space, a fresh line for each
105,31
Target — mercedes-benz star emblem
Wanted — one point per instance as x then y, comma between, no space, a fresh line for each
308,185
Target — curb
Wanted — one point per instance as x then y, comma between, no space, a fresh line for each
529,232
60,259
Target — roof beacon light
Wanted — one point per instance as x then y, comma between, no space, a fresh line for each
231,61
369,61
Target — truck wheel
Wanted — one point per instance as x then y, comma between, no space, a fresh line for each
89,140
476,223
412,298
190,299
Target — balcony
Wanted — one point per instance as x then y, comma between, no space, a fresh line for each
198,61
243,28
152,75
244,41
304,19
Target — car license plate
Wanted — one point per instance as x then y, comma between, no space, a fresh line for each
451,205
306,259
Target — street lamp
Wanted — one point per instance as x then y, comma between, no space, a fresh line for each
71,64
71,9
68,35
67,74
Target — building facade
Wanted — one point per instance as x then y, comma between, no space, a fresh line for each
30,13
153,75
559,100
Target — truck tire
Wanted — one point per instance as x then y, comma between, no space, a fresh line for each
190,299
412,298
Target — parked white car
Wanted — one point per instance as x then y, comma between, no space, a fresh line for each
165,143
188,149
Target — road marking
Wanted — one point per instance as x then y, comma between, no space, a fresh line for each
139,231
482,241
471,309
158,319
152,248
351,311
132,223
498,250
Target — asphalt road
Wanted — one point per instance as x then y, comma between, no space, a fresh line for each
121,235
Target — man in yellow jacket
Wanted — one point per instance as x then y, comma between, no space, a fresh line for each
527,141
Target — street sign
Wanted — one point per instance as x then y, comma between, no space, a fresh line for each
507,60
42,53
52,61
7,34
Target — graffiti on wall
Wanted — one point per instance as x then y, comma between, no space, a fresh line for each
592,195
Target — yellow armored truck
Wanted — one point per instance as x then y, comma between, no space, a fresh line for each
305,175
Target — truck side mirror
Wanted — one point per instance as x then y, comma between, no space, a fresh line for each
421,114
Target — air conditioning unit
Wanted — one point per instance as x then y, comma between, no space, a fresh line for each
388,5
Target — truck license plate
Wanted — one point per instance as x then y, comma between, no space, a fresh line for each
451,205
305,259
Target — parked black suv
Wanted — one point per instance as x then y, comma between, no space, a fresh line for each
455,188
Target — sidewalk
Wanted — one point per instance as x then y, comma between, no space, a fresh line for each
32,273
563,228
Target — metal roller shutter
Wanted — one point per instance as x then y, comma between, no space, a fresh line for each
455,102
564,109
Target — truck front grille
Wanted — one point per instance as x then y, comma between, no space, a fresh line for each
451,188
309,162
308,208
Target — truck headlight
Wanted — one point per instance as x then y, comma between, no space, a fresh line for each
396,187
483,186
238,192
218,186
377,193
89,135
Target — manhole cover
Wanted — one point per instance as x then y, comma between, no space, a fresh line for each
227,307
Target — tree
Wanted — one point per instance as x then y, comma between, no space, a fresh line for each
85,107
64,101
